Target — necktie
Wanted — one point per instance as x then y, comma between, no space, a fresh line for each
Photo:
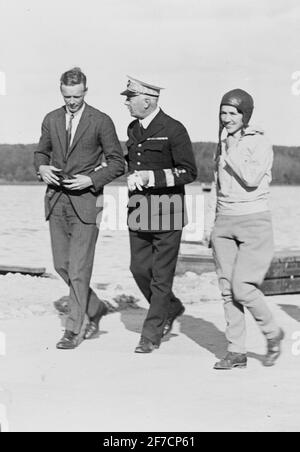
69,132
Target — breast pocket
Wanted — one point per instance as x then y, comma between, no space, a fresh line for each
154,151
90,142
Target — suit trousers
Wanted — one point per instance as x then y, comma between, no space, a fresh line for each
153,264
73,248
243,250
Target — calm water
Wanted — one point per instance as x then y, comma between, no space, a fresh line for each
24,235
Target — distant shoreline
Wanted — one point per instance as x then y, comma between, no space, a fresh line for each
33,183
116,184
17,164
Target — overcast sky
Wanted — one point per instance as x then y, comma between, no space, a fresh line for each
196,49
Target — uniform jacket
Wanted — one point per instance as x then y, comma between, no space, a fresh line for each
95,137
166,149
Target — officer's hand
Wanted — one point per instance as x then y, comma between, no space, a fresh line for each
144,177
138,180
132,182
48,175
79,182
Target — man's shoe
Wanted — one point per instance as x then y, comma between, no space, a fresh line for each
232,361
69,341
92,329
170,321
274,349
145,346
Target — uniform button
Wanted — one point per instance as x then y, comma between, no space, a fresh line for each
140,145
139,154
139,163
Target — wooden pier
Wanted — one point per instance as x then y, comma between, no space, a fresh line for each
283,276
5,269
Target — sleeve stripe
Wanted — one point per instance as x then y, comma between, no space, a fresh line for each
160,178
170,179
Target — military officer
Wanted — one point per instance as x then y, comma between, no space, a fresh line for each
160,162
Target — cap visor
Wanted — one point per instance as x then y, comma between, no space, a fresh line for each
129,93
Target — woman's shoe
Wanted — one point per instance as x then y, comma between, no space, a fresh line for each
274,349
232,361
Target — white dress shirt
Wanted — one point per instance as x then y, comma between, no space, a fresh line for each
146,121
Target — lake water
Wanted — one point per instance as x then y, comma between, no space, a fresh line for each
24,234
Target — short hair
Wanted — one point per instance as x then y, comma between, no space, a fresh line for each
73,77
153,100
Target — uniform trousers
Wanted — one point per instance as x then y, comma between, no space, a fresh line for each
243,250
153,264
73,248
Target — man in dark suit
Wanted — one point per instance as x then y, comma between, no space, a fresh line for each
161,161
74,140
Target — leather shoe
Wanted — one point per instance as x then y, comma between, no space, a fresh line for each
145,346
69,341
170,321
232,361
92,329
274,349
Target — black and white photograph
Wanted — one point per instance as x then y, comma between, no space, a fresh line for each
149,219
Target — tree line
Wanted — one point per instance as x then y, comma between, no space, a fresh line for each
16,163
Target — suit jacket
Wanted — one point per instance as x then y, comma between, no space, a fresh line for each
165,149
95,137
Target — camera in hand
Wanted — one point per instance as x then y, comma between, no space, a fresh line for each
63,176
